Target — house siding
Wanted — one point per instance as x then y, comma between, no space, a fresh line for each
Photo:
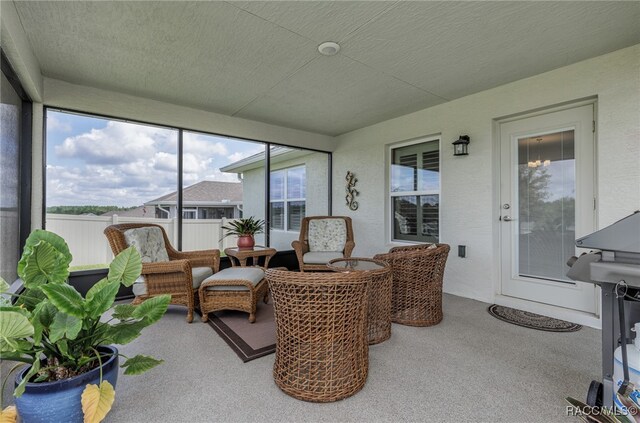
469,188
316,191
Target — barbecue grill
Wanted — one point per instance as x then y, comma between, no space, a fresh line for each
616,269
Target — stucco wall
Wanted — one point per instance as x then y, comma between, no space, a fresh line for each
469,197
316,189
253,196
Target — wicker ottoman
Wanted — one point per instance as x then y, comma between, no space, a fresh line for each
322,353
234,288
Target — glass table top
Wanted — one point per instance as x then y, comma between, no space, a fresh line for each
355,264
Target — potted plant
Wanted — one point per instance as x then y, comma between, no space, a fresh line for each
244,229
64,338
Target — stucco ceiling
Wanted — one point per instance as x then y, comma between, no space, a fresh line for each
258,60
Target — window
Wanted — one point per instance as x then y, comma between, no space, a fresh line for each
102,171
15,156
288,192
415,191
189,213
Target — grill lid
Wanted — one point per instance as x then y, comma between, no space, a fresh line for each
621,236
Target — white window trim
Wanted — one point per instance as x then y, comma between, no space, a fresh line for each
391,194
285,200
190,210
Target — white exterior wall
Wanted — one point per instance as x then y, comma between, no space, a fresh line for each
316,201
469,188
253,196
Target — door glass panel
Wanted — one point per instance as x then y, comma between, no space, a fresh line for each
546,194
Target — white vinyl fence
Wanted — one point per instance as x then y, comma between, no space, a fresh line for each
89,246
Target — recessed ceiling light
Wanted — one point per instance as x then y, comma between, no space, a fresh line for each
329,48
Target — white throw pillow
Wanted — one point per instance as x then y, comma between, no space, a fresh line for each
149,242
327,234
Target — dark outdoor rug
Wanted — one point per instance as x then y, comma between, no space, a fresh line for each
531,320
248,340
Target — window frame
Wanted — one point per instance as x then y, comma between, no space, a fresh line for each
285,200
25,150
193,210
180,154
390,220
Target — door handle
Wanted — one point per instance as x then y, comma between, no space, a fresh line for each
507,219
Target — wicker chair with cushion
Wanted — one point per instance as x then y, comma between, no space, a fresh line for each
321,333
416,298
164,269
322,239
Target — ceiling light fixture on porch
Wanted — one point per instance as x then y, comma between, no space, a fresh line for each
461,146
329,48
538,162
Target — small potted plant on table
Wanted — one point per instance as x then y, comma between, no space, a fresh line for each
65,338
244,229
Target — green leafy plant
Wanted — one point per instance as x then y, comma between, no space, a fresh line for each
51,327
244,227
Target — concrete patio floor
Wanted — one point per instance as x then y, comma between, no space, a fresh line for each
471,367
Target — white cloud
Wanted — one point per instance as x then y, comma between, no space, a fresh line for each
127,164
118,142
216,175
203,145
165,161
239,155
53,124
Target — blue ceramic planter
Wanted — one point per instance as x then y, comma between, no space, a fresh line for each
54,402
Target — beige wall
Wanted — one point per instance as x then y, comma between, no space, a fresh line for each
469,197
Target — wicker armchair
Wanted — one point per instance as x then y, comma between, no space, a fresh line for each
321,333
418,271
176,276
312,254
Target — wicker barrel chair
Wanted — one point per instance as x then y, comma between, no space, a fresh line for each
322,239
322,353
379,287
164,269
417,283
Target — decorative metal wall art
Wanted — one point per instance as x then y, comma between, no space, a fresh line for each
351,191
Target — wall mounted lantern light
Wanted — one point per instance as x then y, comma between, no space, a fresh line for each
461,146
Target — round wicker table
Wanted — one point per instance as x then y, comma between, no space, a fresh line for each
379,287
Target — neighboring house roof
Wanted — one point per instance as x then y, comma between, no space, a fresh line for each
205,193
140,211
277,154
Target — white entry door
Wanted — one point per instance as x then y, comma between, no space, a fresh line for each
546,201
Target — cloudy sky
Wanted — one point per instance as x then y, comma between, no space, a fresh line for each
92,161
